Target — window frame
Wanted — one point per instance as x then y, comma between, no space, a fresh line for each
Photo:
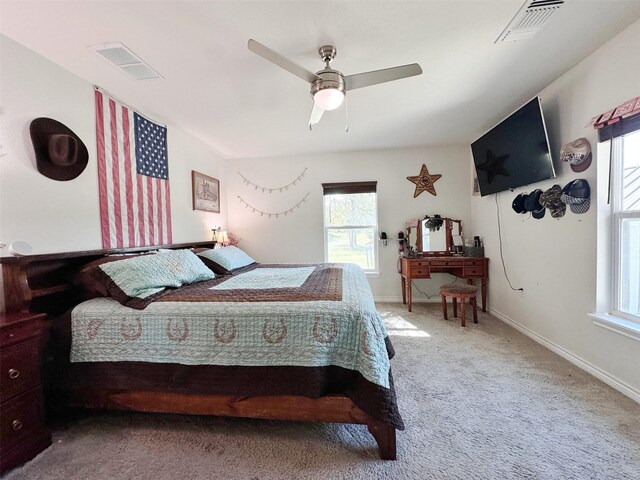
351,188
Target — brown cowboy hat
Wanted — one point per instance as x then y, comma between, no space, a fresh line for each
60,154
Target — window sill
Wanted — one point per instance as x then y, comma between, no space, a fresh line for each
616,324
372,274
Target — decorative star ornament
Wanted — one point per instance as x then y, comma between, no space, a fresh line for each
424,182
494,166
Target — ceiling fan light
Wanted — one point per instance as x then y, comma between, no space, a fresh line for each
328,98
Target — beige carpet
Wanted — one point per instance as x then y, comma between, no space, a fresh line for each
483,402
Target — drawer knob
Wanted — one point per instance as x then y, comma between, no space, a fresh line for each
13,373
17,425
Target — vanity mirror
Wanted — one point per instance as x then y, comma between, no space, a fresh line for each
437,236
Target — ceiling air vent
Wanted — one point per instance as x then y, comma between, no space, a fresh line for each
530,19
126,61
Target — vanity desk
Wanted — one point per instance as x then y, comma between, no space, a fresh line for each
468,268
438,249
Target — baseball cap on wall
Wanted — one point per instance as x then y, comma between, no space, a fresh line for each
577,194
518,203
577,154
532,204
551,199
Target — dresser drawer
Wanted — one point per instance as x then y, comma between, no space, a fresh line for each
17,332
19,368
21,419
417,272
419,264
473,272
446,262
473,263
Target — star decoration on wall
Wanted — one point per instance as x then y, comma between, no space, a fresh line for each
494,166
424,182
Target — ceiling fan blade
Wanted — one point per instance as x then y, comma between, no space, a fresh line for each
316,115
365,79
283,62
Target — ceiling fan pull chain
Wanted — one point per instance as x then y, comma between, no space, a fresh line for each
346,115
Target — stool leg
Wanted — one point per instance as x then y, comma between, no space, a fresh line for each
462,302
475,310
455,306
444,306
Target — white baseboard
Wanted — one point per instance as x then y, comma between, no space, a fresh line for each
607,378
389,299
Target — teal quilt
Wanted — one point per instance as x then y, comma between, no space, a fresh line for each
264,315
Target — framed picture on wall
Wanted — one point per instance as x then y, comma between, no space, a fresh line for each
206,192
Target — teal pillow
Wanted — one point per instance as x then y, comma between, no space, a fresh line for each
136,282
226,259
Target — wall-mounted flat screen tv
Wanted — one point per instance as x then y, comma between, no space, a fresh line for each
515,152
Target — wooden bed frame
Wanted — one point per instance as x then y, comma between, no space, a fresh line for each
41,283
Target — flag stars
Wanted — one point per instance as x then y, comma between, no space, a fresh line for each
151,152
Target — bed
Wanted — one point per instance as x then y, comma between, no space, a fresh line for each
291,342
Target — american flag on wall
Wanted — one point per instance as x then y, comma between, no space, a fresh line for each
133,177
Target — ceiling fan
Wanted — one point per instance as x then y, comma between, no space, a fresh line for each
329,86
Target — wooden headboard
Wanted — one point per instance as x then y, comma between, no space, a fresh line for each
42,283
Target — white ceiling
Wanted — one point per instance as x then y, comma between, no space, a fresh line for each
244,106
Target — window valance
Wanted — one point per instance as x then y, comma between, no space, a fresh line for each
349,187
622,127
618,121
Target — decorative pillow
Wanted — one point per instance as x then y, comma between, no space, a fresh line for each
226,259
84,278
138,281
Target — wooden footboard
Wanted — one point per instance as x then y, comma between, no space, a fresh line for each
332,408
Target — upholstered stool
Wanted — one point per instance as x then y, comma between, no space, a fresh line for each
459,291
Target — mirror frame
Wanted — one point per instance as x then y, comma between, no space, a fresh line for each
448,226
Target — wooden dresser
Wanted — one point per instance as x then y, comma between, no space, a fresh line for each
468,268
22,431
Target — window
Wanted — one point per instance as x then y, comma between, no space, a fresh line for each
626,225
625,214
351,224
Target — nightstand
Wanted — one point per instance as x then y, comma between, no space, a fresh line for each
22,431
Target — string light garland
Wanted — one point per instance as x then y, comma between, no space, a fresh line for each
273,189
273,214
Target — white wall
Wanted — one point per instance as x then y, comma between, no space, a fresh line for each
554,260
64,216
298,237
